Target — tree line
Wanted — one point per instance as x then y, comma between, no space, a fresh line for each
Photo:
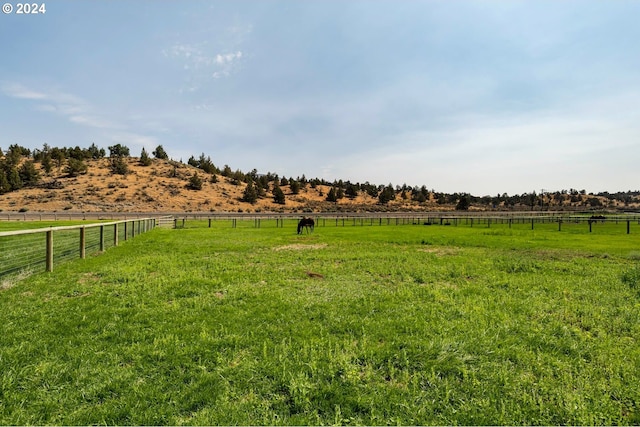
18,170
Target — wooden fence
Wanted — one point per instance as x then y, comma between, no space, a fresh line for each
24,251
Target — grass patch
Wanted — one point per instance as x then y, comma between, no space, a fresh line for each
406,325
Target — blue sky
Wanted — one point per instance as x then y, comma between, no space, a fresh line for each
484,97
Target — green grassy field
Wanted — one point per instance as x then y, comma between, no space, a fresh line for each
348,325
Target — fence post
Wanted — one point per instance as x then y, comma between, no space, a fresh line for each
560,224
209,222
115,234
628,226
125,230
49,266
83,241
102,238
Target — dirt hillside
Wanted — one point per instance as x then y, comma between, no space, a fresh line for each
159,187
163,186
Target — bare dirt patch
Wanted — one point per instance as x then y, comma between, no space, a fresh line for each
300,247
90,278
441,251
314,275
10,282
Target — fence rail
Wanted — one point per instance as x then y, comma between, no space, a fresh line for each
26,251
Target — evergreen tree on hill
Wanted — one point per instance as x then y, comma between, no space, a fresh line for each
331,196
386,195
28,174
145,160
278,194
159,153
250,194
195,182
118,150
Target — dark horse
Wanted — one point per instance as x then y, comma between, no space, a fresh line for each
307,223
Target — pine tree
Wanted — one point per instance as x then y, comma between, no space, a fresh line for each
119,166
28,174
278,194
76,167
352,191
195,182
331,197
250,195
295,186
4,183
159,153
14,179
118,150
387,194
46,163
145,160
94,152
463,203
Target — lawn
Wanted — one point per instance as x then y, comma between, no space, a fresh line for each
373,325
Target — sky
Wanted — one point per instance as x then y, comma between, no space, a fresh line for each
480,97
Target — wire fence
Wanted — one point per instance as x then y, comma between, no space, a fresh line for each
23,252
626,223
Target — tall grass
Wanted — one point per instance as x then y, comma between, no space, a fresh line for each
354,325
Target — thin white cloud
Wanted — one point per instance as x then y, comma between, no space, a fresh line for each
228,58
15,90
77,111
199,64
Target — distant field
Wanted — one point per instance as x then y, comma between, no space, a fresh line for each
373,325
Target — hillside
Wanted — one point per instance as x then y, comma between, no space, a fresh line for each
163,185
159,187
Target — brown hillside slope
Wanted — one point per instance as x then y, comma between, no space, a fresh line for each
162,187
159,187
